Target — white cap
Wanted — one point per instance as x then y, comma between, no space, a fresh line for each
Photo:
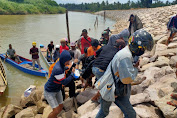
57,46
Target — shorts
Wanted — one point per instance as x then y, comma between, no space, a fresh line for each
53,98
173,30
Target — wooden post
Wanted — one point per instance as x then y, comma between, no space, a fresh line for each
67,24
97,21
104,15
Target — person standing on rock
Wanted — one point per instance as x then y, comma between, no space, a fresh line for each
52,88
135,24
122,35
105,38
84,41
115,84
172,26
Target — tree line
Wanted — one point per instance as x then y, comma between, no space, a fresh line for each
93,7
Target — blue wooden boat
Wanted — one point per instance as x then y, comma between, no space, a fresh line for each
26,66
43,52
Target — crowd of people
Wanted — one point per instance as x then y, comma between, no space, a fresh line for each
113,60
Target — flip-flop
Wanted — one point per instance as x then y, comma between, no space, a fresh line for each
172,103
174,96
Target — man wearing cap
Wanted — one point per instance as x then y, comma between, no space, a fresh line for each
84,41
50,49
63,45
35,57
77,52
105,38
56,54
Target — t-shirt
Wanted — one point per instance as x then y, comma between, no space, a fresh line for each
90,50
77,53
63,48
50,47
105,55
11,52
34,50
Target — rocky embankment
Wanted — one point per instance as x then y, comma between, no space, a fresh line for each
149,98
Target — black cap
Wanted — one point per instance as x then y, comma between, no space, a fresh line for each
84,30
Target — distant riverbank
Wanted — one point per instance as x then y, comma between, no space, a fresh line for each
30,7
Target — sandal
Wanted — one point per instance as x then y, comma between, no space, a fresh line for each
172,103
174,96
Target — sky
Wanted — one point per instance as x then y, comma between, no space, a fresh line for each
90,1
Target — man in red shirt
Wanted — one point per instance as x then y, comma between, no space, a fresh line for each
35,57
84,41
63,45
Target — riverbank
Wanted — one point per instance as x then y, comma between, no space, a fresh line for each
30,7
149,98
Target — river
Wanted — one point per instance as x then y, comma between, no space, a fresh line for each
22,30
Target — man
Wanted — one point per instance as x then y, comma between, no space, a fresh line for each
135,24
105,38
122,35
93,48
35,57
63,45
115,84
103,58
50,49
77,52
84,41
52,89
56,54
12,54
172,26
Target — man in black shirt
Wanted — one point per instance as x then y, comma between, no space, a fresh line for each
103,57
49,50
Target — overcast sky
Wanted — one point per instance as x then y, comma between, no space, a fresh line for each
89,1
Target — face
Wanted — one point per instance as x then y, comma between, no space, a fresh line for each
140,52
106,36
10,46
84,34
94,48
67,63
51,43
131,19
73,47
63,43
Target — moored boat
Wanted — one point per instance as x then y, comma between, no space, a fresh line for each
25,65
43,51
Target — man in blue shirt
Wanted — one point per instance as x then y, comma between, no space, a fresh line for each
52,89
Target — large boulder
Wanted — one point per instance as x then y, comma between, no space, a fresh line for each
168,110
147,111
68,104
139,98
29,112
114,112
85,96
173,61
40,106
160,47
9,111
33,98
172,45
167,70
144,61
90,106
165,81
38,116
47,111
69,114
162,61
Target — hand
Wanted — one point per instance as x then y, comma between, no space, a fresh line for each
137,64
73,70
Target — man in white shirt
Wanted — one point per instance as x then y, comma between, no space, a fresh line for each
76,52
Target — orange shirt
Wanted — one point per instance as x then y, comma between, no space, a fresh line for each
91,52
